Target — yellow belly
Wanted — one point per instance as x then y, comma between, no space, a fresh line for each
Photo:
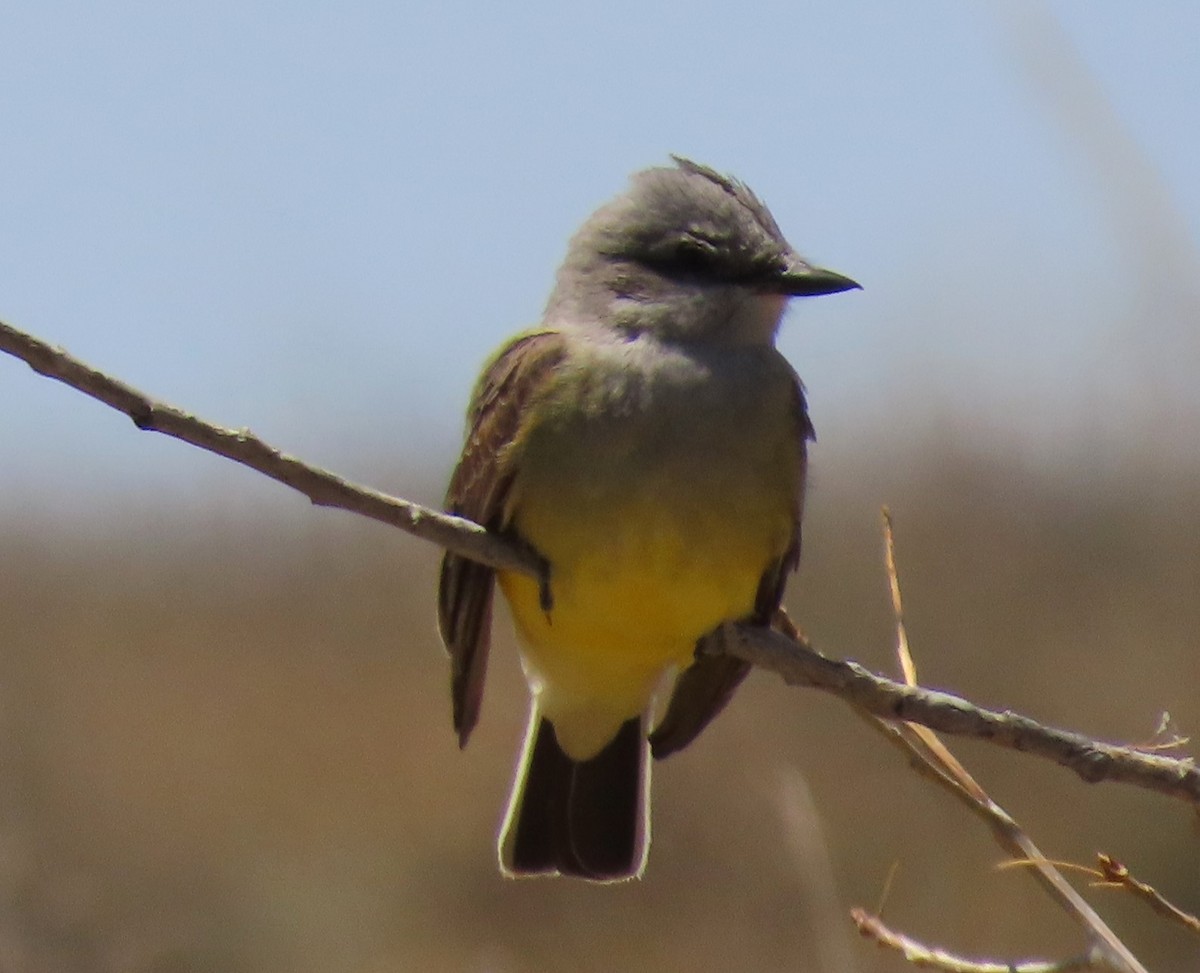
638,574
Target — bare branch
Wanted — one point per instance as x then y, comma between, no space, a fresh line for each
323,488
799,664
793,659
927,956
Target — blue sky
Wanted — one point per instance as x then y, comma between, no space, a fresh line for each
317,219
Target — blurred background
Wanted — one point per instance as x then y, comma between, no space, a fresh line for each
225,736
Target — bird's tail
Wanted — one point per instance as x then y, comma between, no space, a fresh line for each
586,818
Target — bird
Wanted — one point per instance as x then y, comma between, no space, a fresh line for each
649,442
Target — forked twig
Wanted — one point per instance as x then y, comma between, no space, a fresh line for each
930,757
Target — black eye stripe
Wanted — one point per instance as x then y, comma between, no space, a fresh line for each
693,254
695,260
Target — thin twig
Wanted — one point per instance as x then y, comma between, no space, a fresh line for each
908,668
1009,835
793,659
921,955
1114,874
931,744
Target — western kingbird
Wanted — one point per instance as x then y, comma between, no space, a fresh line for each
649,441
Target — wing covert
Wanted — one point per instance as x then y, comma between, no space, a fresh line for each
478,490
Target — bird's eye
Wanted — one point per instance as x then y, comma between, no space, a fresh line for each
692,255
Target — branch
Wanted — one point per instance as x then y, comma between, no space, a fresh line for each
794,660
323,488
918,954
801,665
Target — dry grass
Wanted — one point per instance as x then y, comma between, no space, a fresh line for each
230,749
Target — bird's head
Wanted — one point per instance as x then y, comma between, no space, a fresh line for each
688,254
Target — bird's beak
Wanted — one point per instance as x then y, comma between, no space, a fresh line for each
800,279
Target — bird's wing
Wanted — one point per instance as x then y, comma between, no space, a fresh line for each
706,686
478,490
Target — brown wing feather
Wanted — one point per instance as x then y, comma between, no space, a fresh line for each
478,488
704,688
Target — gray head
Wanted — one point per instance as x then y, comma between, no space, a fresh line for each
686,253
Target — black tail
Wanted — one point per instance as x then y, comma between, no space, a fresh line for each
587,818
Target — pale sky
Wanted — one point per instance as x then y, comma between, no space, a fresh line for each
316,219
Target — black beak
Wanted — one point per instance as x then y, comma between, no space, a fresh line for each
799,279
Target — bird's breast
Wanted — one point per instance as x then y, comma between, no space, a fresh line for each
660,487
